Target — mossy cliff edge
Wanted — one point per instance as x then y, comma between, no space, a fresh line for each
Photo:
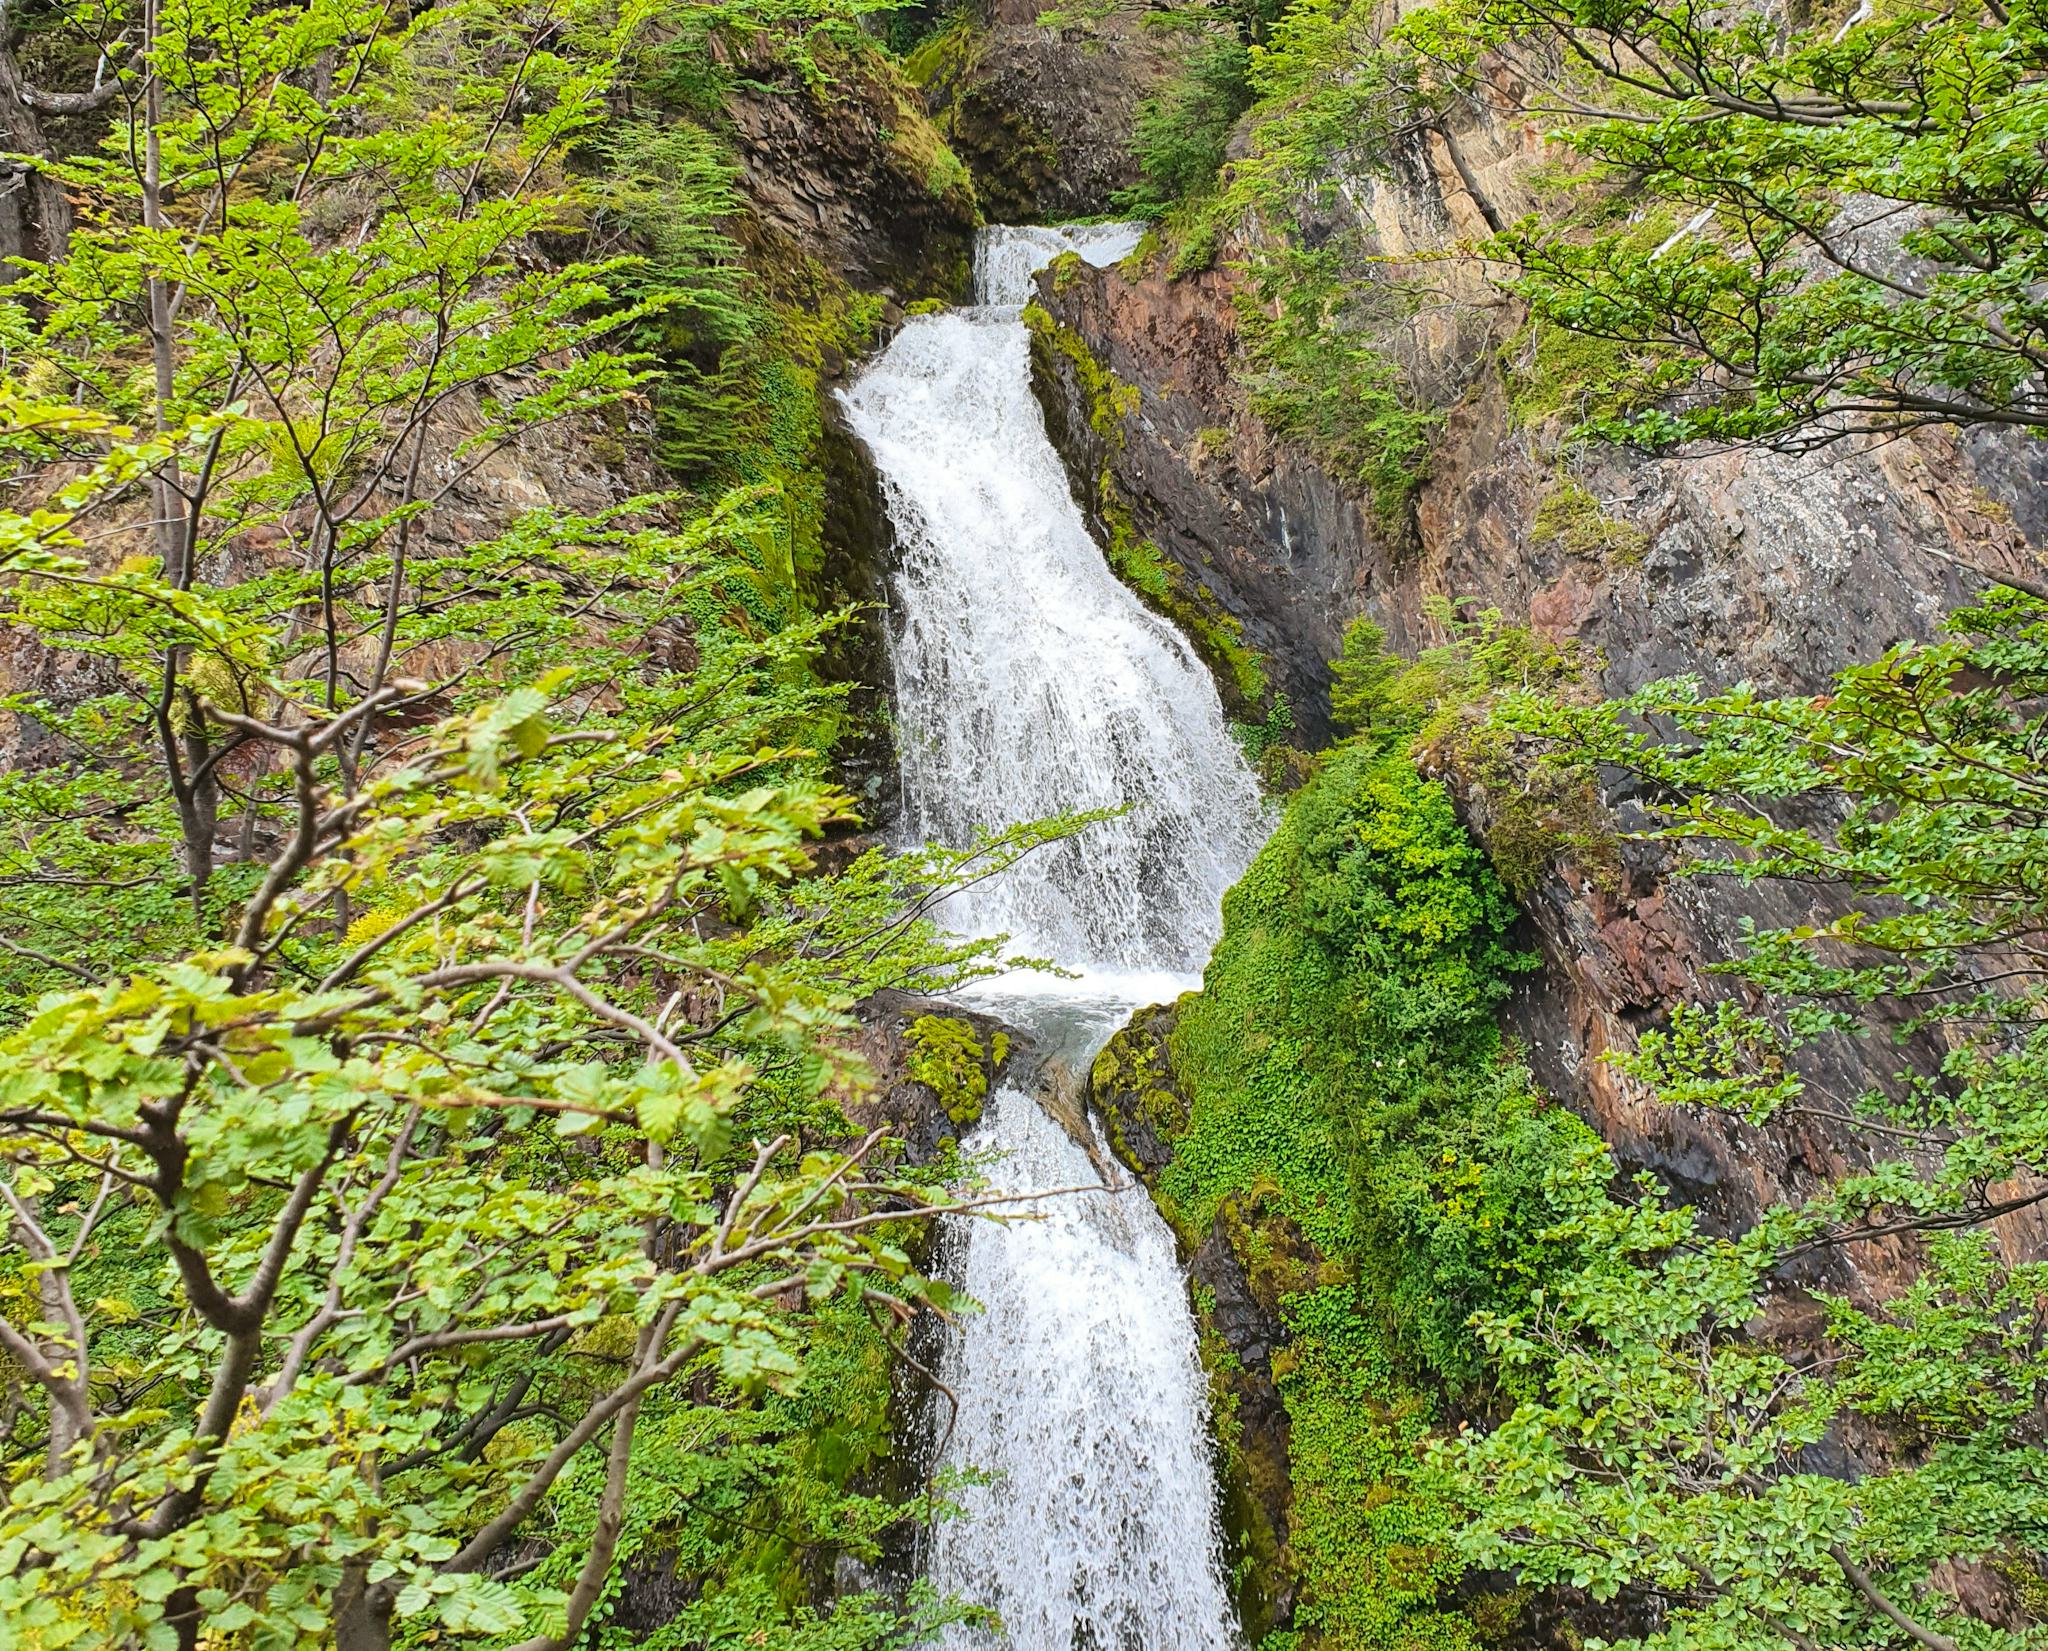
1086,407
1353,1164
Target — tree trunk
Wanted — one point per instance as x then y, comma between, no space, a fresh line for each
40,207
362,1611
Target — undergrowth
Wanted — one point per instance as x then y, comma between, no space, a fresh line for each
1355,1127
1318,375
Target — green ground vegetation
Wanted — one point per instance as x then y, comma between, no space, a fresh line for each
1446,1245
1340,1104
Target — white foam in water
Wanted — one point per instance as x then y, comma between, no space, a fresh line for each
1006,259
1079,1385
1030,682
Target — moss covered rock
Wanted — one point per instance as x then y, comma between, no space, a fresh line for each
855,172
1086,409
1044,118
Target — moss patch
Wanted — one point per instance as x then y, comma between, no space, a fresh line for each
949,1058
1013,161
941,58
1141,1109
1570,519
1316,372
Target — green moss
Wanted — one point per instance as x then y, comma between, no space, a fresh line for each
1570,519
943,57
945,173
1134,264
948,1057
1132,1073
1110,399
1373,1548
1557,376
1378,1167
1251,1479
1192,231
1011,158
922,153
1364,953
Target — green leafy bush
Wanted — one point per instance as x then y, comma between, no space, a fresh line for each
1317,374
1182,134
1540,800
1348,1014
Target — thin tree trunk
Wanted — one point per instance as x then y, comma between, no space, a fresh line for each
362,1611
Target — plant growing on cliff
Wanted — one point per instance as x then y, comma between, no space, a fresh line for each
1539,800
1316,373
1854,243
1183,131
1342,1114
1873,1476
1344,1038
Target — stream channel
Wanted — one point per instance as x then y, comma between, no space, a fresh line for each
1029,682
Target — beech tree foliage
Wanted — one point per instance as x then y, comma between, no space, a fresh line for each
422,1022
1840,227
1863,1473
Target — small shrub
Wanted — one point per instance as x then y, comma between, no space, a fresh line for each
1183,133
1570,519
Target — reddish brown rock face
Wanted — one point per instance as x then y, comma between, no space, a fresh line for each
1772,568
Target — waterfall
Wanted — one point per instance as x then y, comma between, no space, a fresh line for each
1030,682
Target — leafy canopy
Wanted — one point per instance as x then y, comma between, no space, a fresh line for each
1874,1478
423,1025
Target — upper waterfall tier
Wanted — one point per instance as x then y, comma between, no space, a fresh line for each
1029,681
1005,259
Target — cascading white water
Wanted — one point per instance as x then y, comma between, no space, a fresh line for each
1029,682
1006,259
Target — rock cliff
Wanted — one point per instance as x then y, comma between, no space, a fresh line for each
854,174
1777,569
1043,116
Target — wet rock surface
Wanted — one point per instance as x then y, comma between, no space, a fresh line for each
1043,117
859,554
853,174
